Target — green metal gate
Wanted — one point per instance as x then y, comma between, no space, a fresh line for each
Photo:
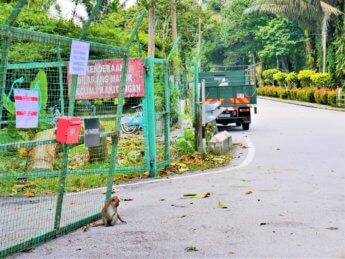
48,188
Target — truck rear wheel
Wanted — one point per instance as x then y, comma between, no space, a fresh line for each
245,126
238,123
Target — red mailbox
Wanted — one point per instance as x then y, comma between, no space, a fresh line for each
68,129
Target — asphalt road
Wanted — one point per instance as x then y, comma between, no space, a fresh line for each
295,169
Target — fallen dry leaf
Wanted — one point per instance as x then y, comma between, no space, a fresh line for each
332,228
221,206
195,195
191,249
181,216
29,193
177,206
182,170
248,192
104,191
263,223
127,199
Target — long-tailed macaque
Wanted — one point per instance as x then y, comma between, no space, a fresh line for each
110,215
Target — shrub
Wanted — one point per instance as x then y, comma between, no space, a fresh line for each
300,95
304,77
268,74
321,79
280,77
284,93
261,91
185,144
292,79
332,98
309,95
272,91
293,93
321,96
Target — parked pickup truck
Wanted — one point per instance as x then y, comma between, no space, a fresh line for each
235,88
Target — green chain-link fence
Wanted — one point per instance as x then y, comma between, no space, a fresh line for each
48,188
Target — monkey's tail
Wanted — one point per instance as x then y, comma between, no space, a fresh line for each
95,224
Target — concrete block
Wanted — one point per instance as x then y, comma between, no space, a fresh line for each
220,143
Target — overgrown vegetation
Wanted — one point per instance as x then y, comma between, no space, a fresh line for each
183,157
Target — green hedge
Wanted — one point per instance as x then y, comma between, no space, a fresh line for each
307,94
304,78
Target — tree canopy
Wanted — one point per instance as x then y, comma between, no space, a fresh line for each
287,37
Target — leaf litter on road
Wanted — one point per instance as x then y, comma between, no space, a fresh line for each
177,206
191,249
221,206
332,228
248,192
196,195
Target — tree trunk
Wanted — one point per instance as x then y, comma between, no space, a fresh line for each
284,64
324,40
311,49
174,34
42,157
151,47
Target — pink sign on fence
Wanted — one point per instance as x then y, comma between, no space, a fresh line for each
103,79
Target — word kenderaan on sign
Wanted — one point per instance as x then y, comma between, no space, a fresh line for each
103,79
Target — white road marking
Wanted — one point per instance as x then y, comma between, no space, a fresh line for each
249,158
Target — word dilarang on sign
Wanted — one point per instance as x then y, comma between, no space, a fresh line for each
103,79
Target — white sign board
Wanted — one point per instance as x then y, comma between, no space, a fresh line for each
27,108
79,58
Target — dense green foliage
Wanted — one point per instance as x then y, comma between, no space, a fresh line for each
232,35
304,78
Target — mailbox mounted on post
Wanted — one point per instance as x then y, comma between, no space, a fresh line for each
68,129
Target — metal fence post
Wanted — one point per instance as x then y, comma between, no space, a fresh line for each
167,114
62,101
3,68
62,182
115,138
4,54
151,115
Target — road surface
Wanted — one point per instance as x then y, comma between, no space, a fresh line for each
295,169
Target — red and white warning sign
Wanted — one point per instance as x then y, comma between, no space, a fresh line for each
26,102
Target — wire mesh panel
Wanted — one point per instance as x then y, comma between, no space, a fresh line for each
162,109
27,202
35,170
49,187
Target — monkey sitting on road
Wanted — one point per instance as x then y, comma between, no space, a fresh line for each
110,214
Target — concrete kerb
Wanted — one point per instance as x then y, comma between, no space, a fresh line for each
226,169
305,104
248,158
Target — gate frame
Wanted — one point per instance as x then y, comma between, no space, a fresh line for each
149,115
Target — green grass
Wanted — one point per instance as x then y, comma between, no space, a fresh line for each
130,154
